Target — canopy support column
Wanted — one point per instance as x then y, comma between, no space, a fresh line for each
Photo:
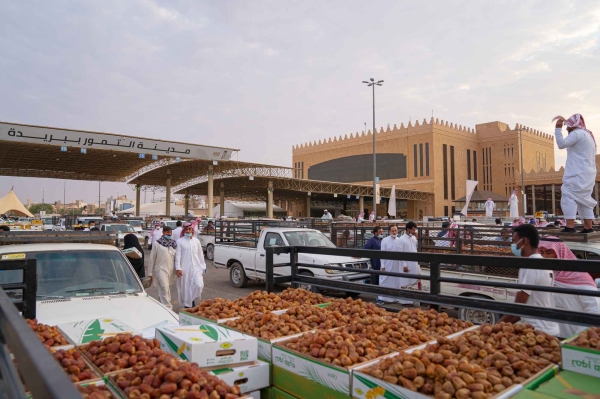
137,199
209,197
222,207
308,206
553,200
168,199
270,199
532,200
361,205
186,202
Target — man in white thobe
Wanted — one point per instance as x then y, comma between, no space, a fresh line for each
489,208
390,243
156,234
177,232
326,215
189,268
161,265
408,243
580,172
513,203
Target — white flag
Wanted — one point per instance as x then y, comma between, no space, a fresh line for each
471,184
392,203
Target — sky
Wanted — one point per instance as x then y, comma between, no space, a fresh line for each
262,76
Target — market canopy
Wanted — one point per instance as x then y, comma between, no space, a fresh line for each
10,203
38,151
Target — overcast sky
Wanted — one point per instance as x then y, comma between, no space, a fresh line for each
264,75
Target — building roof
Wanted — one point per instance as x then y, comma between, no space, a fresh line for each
482,196
10,203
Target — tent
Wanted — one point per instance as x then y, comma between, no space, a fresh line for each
155,209
10,203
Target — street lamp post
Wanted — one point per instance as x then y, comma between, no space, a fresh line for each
373,83
43,193
524,202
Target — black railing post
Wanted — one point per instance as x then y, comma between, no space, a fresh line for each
30,292
434,282
294,265
270,285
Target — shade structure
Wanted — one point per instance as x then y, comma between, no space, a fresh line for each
10,203
155,209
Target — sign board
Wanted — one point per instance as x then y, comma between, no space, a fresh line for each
105,141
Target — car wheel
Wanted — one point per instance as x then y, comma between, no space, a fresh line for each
305,286
237,275
478,316
210,252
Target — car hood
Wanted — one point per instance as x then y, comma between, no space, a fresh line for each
331,259
137,311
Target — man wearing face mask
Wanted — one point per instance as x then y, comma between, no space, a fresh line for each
525,240
189,267
374,243
408,243
390,243
162,265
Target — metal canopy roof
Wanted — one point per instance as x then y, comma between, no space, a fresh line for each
288,188
38,151
154,177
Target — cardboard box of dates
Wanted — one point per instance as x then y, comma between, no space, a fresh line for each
490,361
249,377
581,352
209,345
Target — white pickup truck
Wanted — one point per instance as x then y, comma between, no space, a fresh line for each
78,282
248,262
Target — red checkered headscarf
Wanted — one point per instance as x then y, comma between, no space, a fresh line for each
563,252
576,121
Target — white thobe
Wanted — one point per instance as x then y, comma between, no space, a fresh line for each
513,201
409,244
161,266
177,233
575,303
489,208
189,258
580,169
390,243
156,234
327,217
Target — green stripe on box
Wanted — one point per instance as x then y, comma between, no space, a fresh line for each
547,376
386,394
580,349
307,358
301,387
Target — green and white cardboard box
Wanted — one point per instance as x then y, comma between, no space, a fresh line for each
83,332
366,386
307,376
580,360
208,345
249,377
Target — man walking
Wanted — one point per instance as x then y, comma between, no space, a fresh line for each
489,208
177,231
408,243
189,267
162,265
156,234
580,172
390,243
374,244
326,215
525,240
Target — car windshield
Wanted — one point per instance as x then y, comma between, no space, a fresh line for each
171,223
47,220
123,228
78,273
135,223
308,239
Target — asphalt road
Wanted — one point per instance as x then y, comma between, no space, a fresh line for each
217,285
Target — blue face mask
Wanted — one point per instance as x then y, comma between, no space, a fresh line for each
380,236
516,251
188,235
167,237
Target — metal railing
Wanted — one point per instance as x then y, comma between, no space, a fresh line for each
42,374
434,296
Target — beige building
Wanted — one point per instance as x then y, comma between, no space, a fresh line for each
435,156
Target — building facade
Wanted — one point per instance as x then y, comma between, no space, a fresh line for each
435,156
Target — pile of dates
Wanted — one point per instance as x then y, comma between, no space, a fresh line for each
171,378
48,335
432,321
93,391
74,365
299,296
589,338
356,308
478,364
122,351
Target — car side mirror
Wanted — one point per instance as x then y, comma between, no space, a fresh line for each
146,282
